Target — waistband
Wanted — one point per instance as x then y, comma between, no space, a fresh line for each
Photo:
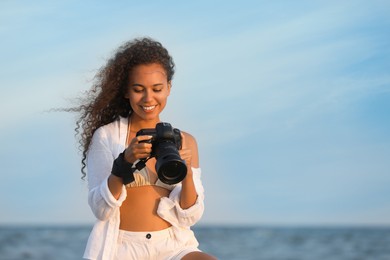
145,236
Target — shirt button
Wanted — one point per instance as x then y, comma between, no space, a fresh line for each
148,236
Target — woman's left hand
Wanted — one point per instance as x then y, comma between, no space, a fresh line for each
186,154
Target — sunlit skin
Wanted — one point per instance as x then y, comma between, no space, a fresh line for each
148,91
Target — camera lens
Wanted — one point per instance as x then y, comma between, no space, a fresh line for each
171,169
172,172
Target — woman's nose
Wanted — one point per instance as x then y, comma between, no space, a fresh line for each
148,95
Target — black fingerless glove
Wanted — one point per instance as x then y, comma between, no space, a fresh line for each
123,169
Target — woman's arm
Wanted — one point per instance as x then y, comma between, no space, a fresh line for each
185,205
102,198
171,210
189,153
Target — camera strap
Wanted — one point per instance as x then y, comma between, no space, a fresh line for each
123,169
141,163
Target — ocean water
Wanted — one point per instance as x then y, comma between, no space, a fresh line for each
235,243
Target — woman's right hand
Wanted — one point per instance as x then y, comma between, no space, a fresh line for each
138,148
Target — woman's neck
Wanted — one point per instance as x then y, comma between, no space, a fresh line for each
137,124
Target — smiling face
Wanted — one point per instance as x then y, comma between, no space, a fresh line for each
147,92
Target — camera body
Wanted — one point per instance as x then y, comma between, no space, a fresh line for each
166,142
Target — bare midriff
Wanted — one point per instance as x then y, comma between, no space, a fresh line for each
139,211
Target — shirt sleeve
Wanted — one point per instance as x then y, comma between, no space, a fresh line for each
99,164
170,210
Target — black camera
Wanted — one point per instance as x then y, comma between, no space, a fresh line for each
166,143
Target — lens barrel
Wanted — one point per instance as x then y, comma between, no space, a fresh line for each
171,169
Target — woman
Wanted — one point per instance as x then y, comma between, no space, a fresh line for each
138,215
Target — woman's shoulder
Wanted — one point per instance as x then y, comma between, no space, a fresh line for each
114,126
189,137
189,140
112,135
113,129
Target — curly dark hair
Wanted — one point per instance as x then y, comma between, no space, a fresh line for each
105,101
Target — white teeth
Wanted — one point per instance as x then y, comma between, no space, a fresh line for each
148,108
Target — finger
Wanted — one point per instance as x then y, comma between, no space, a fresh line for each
144,147
142,155
183,141
186,155
141,138
137,150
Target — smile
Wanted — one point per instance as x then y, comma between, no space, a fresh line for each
149,108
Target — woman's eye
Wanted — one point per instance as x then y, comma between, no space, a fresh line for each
157,90
137,90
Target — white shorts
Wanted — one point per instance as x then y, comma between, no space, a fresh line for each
159,245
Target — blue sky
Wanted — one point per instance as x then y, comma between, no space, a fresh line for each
289,102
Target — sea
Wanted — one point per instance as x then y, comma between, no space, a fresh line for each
224,242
